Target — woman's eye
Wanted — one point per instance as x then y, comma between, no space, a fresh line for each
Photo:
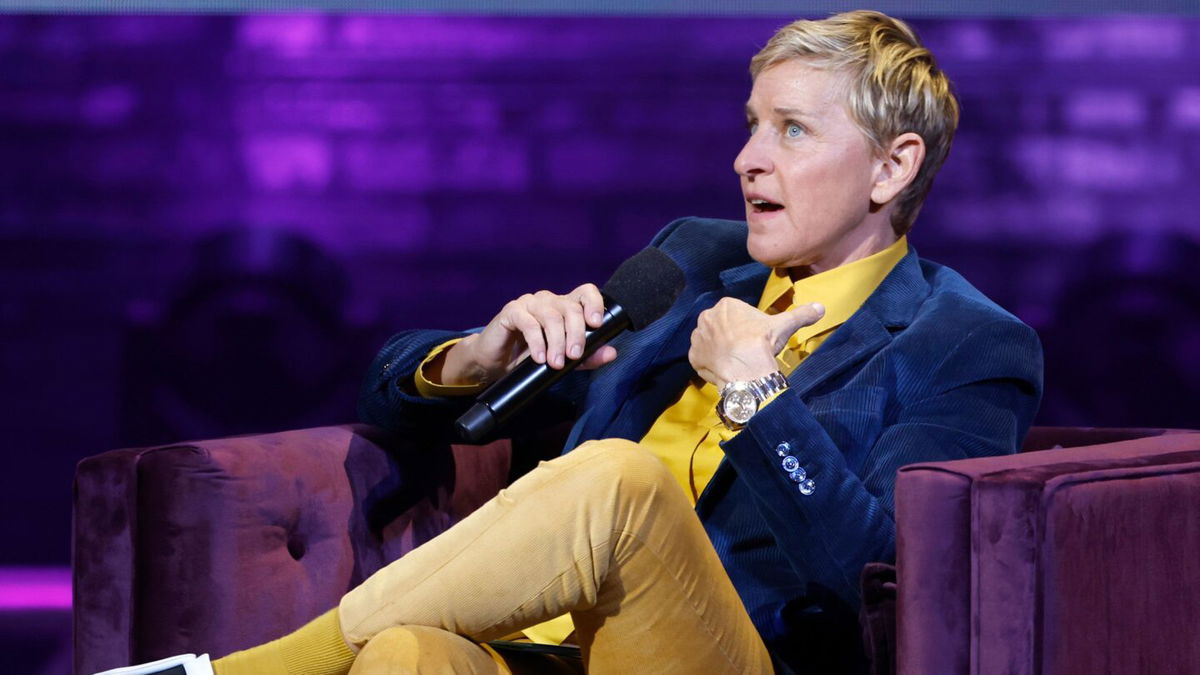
794,131
751,127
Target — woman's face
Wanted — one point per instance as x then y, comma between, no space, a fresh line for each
807,173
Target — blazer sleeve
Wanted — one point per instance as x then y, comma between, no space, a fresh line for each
978,400
388,398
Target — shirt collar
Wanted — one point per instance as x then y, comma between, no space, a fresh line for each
842,289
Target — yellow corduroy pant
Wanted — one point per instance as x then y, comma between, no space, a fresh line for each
604,533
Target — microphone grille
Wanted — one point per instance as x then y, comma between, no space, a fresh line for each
645,286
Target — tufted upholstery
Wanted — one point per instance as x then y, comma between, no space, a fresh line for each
1007,564
222,544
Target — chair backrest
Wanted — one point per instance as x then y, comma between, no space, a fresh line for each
1046,438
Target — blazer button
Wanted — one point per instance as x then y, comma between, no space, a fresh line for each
790,464
807,486
783,449
798,475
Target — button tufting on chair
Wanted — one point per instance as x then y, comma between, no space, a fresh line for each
296,546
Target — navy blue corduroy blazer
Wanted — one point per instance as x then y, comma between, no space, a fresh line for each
927,369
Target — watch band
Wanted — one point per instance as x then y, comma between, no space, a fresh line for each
767,386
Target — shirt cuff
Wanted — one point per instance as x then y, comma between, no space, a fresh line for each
429,389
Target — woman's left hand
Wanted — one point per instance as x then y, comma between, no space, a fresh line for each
735,342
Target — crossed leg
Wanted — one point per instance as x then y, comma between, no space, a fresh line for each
603,533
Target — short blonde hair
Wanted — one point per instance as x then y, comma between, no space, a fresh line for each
894,86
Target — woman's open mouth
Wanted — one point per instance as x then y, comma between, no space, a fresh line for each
763,206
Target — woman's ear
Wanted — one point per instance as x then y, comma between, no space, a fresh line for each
898,167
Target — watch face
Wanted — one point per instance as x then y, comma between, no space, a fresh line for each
740,405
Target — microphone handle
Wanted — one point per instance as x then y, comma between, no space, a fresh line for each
499,402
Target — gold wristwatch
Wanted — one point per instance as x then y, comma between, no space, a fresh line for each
740,400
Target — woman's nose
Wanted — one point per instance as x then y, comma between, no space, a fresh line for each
753,159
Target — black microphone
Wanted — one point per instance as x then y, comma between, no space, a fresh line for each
642,289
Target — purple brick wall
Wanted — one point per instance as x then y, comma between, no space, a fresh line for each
394,171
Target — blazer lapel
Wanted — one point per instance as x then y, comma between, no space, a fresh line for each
891,307
861,336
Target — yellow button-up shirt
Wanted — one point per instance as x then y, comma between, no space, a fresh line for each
688,434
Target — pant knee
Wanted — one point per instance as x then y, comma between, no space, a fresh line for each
616,461
421,649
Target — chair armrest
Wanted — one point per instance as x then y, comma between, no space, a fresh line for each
221,544
1065,560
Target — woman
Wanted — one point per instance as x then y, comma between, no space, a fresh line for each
731,467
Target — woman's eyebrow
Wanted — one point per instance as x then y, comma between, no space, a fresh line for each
781,111
791,112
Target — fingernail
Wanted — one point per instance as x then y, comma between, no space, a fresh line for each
540,357
576,350
818,307
597,317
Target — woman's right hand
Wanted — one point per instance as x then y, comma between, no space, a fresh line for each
548,327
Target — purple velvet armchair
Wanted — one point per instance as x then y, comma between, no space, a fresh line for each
1077,560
